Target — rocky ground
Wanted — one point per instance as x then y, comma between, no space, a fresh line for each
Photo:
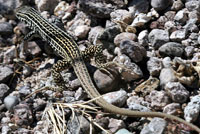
158,42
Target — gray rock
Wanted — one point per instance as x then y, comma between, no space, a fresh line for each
167,75
6,129
94,33
25,90
135,51
46,5
143,38
191,111
199,39
5,28
117,98
107,81
9,55
138,6
170,26
193,5
80,94
177,5
158,99
160,4
4,90
178,35
121,15
124,36
177,92
156,126
181,16
78,124
5,73
123,131
138,107
115,125
158,37
189,51
132,70
195,16
10,102
22,115
171,49
173,108
154,66
100,8
81,31
108,35
33,48
167,62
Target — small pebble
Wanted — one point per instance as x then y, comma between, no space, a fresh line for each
10,102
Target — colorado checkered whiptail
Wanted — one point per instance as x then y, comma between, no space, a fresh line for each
64,44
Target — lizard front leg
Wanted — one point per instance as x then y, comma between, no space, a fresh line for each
57,68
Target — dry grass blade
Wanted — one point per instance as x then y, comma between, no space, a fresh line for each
55,115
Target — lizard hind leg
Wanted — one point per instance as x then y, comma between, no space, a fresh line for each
97,52
57,68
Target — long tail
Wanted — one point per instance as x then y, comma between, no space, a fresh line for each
84,77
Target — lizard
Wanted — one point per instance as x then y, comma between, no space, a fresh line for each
64,44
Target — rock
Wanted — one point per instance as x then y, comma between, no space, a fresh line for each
132,70
77,124
7,7
5,73
4,90
100,8
33,48
93,33
193,5
9,55
124,36
191,111
39,104
108,35
123,131
177,92
160,4
138,6
156,126
158,99
117,98
143,38
25,90
154,66
170,26
147,86
173,109
115,125
121,15
167,62
177,5
46,5
105,81
137,100
81,31
178,35
195,16
5,28
158,37
191,26
140,20
189,51
171,49
181,16
138,107
10,102
80,94
22,115
167,75
135,51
